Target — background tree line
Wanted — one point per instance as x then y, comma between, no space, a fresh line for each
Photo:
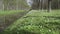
21,4
55,4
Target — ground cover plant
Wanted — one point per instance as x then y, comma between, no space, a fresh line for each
36,22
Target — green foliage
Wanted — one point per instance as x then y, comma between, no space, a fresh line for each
10,12
36,22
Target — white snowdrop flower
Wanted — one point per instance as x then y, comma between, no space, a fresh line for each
49,30
41,26
40,30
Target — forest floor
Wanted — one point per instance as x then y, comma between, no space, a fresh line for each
36,22
8,17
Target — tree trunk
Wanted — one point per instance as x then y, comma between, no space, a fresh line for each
5,2
42,4
39,4
58,3
49,5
